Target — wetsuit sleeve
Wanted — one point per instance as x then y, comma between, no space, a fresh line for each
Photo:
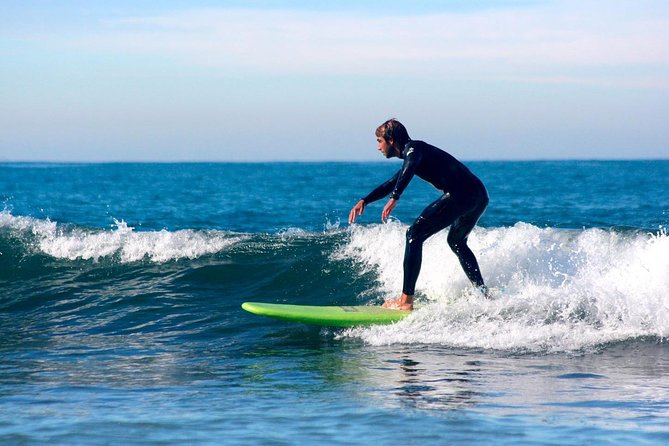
412,158
383,190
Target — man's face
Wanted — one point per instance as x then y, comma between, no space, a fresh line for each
385,147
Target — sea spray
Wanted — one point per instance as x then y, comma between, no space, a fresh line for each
72,242
555,289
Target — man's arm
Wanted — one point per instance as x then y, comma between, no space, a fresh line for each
378,193
383,190
412,158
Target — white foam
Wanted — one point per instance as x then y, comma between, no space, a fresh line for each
124,241
556,290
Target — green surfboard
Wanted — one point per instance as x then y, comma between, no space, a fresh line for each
327,316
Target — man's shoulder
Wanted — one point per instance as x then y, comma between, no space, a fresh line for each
420,147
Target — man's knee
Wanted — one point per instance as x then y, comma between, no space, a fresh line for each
414,235
410,235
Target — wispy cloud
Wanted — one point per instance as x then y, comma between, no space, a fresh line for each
556,43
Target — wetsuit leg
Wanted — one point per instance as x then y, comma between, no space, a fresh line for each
439,215
457,240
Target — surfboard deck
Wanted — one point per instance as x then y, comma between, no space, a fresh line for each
327,316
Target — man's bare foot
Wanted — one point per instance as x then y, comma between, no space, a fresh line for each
404,302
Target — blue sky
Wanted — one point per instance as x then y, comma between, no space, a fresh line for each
297,80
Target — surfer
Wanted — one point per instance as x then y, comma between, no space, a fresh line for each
463,202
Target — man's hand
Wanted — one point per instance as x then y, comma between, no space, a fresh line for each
357,210
388,208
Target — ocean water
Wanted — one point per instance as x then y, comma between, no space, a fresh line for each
121,286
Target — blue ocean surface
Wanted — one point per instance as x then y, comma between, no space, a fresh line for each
121,286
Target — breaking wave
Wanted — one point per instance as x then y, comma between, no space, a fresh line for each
553,289
71,242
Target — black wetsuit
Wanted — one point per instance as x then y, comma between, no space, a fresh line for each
464,200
